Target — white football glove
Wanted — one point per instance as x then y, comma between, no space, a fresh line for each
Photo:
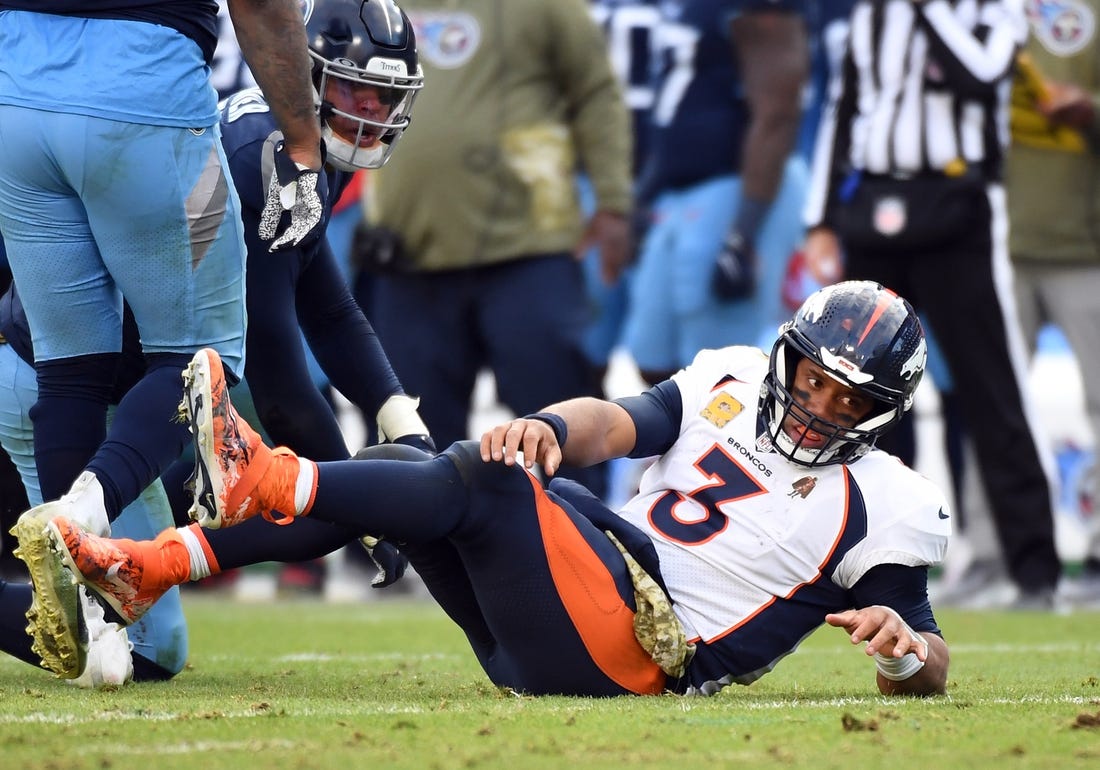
398,418
294,193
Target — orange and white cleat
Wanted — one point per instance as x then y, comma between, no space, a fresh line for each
236,476
127,575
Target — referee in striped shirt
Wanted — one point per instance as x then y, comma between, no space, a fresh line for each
907,187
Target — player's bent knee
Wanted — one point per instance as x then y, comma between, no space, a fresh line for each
478,474
466,457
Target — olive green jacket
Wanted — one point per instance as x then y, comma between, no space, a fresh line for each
518,95
1053,177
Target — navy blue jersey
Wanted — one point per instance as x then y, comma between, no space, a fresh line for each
197,19
630,28
298,289
229,72
246,123
828,22
700,116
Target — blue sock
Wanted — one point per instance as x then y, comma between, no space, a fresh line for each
145,436
70,417
15,600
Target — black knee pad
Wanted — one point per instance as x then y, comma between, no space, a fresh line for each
492,477
466,457
392,452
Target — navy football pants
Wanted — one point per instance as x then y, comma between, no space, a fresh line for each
543,595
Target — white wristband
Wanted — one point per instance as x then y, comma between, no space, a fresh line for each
398,417
896,669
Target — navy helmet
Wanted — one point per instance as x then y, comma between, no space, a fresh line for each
363,41
864,336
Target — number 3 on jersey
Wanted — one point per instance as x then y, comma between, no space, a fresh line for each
695,519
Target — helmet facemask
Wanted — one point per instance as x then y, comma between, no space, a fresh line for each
340,84
842,443
362,50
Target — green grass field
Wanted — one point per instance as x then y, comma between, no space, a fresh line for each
391,684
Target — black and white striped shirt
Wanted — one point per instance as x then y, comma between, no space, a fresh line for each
924,88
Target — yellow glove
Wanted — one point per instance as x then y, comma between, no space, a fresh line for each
1029,126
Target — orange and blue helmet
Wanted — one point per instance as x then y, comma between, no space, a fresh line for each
864,336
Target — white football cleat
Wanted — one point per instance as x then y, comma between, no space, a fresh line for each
110,663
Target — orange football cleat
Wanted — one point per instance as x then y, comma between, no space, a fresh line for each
236,476
128,575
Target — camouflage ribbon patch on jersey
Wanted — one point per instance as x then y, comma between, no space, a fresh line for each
656,626
721,409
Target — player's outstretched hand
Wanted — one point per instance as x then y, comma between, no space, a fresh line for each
883,629
534,438
294,212
388,560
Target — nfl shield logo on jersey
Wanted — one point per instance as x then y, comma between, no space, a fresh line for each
890,215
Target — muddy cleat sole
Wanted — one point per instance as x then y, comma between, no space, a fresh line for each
55,621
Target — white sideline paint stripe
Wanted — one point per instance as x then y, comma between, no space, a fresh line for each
205,747
324,657
1012,649
1051,648
165,716
999,649
882,700
318,657
312,657
685,704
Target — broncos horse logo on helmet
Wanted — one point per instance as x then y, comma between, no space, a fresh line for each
357,44
864,336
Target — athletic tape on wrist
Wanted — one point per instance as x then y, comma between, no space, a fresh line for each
896,669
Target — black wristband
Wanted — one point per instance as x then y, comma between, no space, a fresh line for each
555,422
750,218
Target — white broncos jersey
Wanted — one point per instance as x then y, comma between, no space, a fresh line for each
755,550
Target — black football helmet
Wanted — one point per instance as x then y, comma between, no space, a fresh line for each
864,336
363,41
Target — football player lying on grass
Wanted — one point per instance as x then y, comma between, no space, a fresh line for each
767,513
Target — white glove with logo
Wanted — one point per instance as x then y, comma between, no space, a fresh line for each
295,206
